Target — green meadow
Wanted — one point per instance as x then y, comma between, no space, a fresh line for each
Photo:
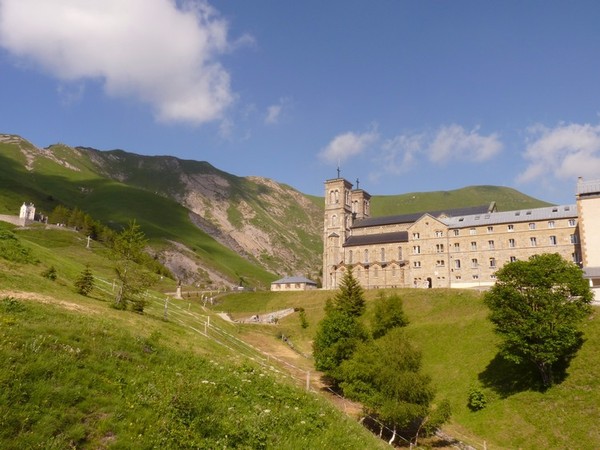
77,373
459,353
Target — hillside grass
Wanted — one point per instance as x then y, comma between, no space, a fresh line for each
507,199
460,353
77,373
114,204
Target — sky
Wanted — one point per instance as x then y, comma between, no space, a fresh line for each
405,96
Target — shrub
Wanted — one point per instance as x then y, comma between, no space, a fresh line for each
303,320
477,399
50,273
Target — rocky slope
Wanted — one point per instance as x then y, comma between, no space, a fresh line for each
258,218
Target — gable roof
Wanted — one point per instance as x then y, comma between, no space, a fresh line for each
522,215
287,280
410,218
380,238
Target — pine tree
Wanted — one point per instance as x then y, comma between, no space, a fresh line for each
340,331
85,281
350,297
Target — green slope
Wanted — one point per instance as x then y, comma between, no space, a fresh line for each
76,373
113,203
459,352
506,199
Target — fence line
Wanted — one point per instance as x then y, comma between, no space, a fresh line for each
262,361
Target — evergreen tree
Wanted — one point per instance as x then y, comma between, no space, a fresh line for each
340,331
350,298
337,337
85,281
128,252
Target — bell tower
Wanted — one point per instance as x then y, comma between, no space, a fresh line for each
361,203
338,219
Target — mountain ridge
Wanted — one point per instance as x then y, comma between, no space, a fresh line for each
266,223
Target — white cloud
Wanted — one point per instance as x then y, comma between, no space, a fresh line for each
454,143
150,50
564,152
275,111
403,152
347,145
400,153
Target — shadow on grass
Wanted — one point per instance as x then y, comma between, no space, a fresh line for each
507,378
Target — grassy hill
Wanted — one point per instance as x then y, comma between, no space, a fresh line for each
76,373
507,199
66,178
459,351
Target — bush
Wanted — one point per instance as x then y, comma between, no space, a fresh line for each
303,319
50,273
477,399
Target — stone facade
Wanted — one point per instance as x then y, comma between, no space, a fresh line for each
449,248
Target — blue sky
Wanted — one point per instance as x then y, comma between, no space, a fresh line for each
407,96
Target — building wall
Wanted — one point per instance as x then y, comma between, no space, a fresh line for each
441,255
482,251
292,286
589,213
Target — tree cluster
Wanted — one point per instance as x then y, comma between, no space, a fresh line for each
85,224
379,367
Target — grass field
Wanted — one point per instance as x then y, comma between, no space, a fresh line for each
77,373
459,351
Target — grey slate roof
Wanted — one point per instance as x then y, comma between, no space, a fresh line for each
591,272
410,218
380,238
287,280
523,215
589,187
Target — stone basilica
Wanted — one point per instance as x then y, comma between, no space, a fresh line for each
458,248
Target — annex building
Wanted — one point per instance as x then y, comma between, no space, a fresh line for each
458,248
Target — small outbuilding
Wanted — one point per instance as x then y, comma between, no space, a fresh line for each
293,284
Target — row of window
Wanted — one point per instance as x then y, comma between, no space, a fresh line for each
490,229
375,272
491,244
382,255
439,248
457,263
